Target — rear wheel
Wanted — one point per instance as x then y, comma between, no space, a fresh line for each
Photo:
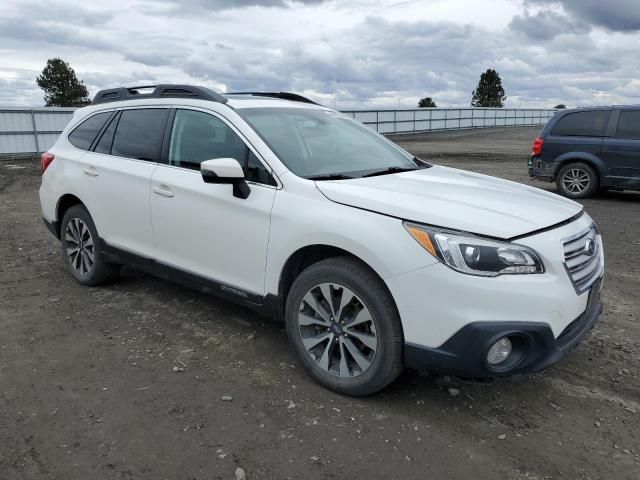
577,180
81,248
344,327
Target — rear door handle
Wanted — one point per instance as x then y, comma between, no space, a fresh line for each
163,191
91,172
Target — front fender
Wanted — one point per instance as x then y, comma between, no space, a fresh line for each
378,240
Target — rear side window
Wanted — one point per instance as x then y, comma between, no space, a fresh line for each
582,124
84,134
629,125
139,134
104,144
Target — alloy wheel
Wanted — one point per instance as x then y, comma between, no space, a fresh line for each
337,330
80,247
576,180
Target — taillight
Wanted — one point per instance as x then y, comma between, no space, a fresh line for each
536,150
45,161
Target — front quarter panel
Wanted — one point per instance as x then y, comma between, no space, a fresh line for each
302,217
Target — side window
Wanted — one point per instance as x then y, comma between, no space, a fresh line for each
139,134
256,172
104,144
84,134
582,124
629,125
198,136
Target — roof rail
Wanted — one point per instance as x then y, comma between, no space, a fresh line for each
294,97
159,91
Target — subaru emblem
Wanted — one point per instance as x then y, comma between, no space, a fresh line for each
590,247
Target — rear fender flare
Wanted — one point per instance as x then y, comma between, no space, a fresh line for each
588,158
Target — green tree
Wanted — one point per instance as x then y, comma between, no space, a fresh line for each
426,102
561,106
489,92
61,86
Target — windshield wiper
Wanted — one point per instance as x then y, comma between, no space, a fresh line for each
388,170
330,176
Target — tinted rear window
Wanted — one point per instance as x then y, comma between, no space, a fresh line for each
104,144
84,134
139,134
629,125
582,124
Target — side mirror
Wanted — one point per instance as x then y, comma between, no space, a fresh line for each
227,171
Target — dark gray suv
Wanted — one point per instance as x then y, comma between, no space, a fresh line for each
587,149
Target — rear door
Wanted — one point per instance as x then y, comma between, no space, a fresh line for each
621,152
120,166
576,131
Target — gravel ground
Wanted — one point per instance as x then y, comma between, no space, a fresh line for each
145,379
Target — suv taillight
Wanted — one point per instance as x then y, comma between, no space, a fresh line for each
536,150
45,161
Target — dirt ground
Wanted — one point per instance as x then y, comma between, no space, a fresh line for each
126,380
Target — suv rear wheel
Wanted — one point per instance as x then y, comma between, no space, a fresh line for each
344,327
81,249
577,180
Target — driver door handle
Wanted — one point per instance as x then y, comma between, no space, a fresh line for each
162,191
91,172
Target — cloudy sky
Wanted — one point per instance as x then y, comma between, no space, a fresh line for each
344,53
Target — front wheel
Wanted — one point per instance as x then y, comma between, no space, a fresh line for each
344,327
577,180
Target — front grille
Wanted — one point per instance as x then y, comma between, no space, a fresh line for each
583,258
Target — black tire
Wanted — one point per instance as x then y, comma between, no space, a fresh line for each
572,171
371,292
99,271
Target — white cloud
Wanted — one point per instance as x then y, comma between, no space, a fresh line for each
361,53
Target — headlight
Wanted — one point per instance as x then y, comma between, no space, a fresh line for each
474,255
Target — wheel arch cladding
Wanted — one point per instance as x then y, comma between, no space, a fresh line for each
303,258
583,157
65,202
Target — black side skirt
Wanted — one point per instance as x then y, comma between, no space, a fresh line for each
265,305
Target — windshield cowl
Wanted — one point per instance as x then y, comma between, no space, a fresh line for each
369,173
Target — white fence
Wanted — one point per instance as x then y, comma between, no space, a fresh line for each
390,122
33,130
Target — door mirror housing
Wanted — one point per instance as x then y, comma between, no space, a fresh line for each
226,171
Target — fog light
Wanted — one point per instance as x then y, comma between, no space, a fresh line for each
499,351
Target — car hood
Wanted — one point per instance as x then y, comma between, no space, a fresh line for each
455,199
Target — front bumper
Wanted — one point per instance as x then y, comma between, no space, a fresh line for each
535,346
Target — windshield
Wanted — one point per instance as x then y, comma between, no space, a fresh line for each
322,144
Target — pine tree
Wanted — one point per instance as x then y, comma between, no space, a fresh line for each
61,86
427,102
489,92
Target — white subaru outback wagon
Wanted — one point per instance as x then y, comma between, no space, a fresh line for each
375,259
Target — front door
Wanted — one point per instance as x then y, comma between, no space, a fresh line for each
201,227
